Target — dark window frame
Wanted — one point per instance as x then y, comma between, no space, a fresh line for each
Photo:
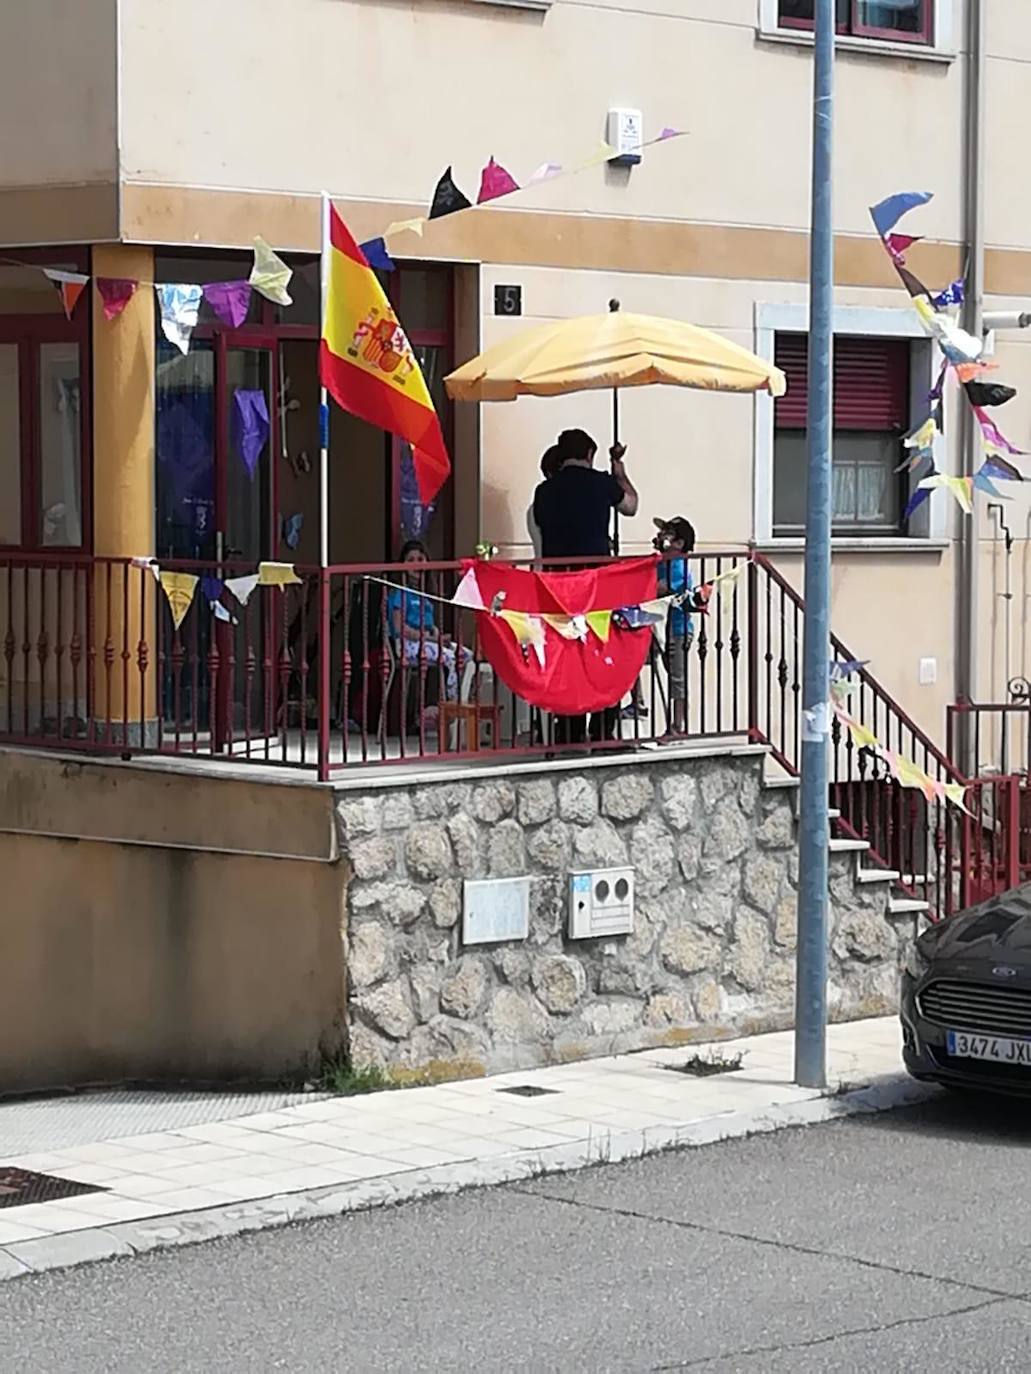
853,27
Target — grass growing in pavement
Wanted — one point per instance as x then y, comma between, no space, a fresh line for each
344,1079
702,1066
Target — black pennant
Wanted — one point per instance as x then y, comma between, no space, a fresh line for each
447,198
989,393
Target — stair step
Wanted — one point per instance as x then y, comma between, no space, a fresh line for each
848,846
876,875
906,906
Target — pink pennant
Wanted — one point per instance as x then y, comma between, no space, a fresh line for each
669,133
115,294
545,172
898,245
495,182
230,300
993,434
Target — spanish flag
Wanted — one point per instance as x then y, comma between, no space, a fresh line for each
367,365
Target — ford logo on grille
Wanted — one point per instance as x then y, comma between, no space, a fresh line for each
1004,971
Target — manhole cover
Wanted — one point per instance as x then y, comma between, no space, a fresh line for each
529,1090
18,1187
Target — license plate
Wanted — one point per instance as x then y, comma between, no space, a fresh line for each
966,1045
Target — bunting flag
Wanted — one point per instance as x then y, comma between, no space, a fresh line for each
115,294
376,255
367,364
605,153
468,593
495,182
230,300
957,345
277,575
242,587
997,466
447,198
982,394
917,498
887,213
292,526
270,275
601,623
961,488
993,437
904,771
668,133
983,482
954,294
545,172
969,372
70,286
568,626
211,589
845,667
399,226
898,245
924,437
529,632
250,426
180,307
179,588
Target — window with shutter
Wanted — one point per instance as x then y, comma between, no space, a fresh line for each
871,415
900,21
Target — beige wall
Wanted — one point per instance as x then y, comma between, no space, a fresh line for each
58,114
194,932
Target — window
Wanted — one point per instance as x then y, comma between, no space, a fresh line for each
871,415
44,418
898,21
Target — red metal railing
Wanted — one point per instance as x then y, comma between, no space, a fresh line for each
315,675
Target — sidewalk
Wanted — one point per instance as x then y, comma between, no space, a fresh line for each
233,1169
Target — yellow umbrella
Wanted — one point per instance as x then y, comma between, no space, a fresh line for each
611,350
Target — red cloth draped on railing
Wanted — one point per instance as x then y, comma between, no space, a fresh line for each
577,676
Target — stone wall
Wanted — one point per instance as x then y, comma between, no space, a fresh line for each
714,936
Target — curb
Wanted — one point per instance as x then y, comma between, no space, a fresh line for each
126,1239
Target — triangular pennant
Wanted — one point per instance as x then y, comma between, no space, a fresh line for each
670,133
211,588
277,575
547,171
468,593
887,213
988,393
115,294
983,482
230,300
993,436
898,245
923,437
913,284
270,275
916,500
953,294
70,286
995,465
376,255
605,153
961,488
447,198
601,623
180,305
495,182
179,588
242,587
399,226
568,626
968,372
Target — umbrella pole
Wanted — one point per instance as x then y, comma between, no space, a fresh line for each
615,440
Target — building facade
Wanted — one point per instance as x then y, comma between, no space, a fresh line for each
153,142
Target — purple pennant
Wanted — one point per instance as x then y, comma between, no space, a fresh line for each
230,300
251,426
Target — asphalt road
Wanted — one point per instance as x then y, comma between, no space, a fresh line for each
895,1242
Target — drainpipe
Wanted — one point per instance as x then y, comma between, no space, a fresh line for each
967,627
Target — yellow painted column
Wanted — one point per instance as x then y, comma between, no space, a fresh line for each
123,357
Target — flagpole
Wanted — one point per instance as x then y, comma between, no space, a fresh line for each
324,397
325,619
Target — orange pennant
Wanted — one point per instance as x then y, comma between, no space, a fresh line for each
70,286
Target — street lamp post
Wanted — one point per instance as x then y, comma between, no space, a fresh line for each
811,975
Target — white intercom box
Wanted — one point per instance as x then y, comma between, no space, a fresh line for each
626,135
601,903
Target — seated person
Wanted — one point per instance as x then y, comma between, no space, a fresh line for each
413,626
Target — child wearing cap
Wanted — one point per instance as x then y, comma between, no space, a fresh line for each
676,539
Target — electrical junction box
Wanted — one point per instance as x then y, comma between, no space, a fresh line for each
626,135
601,903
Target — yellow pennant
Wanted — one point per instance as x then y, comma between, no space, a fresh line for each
179,588
415,226
568,626
961,488
923,437
276,575
528,630
600,622
270,275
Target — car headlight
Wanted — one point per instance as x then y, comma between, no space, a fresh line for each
917,961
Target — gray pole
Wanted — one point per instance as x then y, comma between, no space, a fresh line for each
811,976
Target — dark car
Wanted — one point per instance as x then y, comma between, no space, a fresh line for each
966,998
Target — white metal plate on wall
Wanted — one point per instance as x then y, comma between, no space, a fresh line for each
601,903
495,909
